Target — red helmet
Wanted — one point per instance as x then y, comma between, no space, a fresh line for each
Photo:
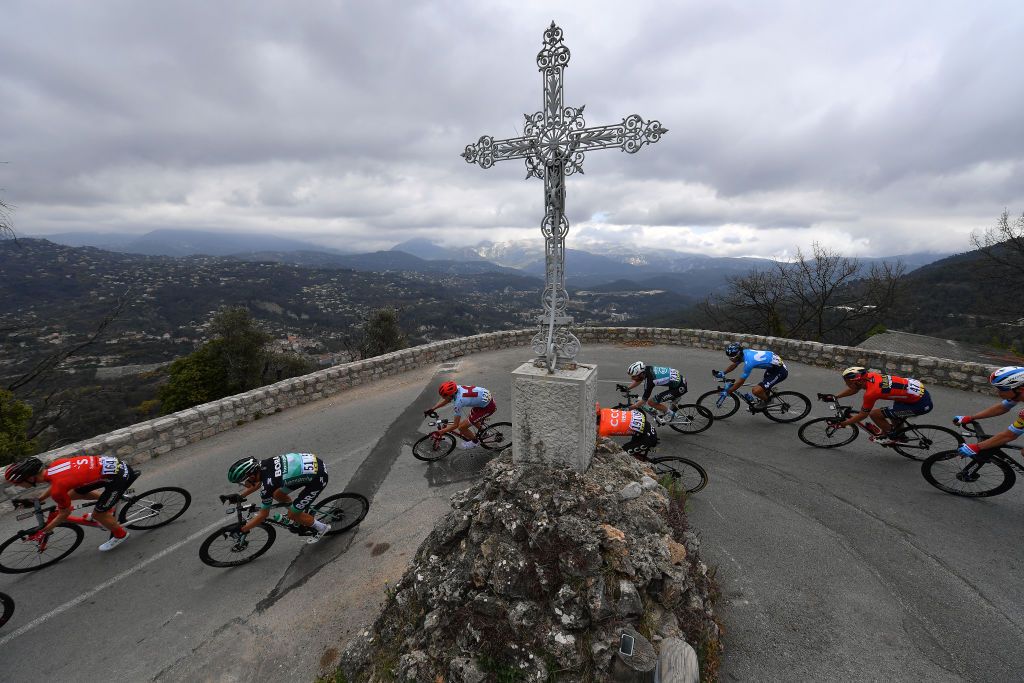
448,389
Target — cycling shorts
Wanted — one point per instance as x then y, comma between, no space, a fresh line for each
675,390
113,485
478,414
899,409
309,492
774,375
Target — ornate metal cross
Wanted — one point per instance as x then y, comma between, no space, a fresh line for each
553,144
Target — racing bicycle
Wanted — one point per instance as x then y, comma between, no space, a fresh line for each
781,406
434,446
226,547
689,418
6,608
916,442
989,473
29,550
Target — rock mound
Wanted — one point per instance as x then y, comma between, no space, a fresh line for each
538,571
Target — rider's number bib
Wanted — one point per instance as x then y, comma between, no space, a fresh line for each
308,463
619,417
108,465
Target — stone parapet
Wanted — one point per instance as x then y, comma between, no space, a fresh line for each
164,434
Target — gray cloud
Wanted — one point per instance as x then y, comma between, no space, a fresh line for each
881,128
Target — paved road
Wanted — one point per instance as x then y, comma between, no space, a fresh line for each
834,564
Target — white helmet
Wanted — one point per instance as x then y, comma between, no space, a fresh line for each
636,369
1007,379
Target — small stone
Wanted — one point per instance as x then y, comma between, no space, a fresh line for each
629,604
432,619
630,491
465,670
613,534
648,483
677,552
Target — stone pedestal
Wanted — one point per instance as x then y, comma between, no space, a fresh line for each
553,416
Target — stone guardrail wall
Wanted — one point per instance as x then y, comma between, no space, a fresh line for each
161,435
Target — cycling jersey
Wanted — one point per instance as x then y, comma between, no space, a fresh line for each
291,471
1009,403
1018,425
470,397
616,422
756,360
67,474
890,387
656,375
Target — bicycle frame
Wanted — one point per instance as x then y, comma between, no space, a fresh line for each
844,412
440,423
250,509
39,511
727,382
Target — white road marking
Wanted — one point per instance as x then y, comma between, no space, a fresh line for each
106,584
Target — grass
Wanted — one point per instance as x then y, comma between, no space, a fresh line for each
337,677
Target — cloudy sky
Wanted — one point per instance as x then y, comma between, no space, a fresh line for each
875,127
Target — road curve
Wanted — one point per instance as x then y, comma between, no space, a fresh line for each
840,564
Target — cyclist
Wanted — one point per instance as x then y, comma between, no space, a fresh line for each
277,477
908,396
77,478
652,376
775,371
477,399
632,423
1009,384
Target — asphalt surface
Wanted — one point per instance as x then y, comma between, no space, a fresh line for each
840,564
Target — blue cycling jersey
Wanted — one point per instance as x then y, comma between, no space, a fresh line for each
755,360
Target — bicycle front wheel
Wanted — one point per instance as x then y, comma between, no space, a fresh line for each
429,449
222,549
925,440
968,477
822,433
6,608
496,437
155,508
691,418
728,407
342,511
787,406
679,471
19,555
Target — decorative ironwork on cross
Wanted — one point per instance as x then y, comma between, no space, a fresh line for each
553,144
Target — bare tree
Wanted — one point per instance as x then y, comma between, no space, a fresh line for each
1003,244
826,297
6,225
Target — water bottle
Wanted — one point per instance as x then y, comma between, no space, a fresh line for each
280,518
750,397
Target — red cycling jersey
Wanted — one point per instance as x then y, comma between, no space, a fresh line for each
890,387
66,474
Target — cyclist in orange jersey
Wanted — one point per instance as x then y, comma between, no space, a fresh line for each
631,423
908,396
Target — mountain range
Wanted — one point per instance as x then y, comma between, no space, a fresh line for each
599,267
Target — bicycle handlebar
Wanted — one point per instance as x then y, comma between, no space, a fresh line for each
232,498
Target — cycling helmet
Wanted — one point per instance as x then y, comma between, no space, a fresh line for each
243,469
854,372
448,389
1007,379
636,368
733,350
20,471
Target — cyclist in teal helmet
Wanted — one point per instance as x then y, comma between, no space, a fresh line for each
277,477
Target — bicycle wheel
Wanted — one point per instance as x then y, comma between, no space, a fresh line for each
19,555
496,437
691,418
6,608
154,508
221,549
924,440
342,511
976,477
820,433
686,472
787,406
428,449
710,401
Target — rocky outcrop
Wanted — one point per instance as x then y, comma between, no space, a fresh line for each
541,570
